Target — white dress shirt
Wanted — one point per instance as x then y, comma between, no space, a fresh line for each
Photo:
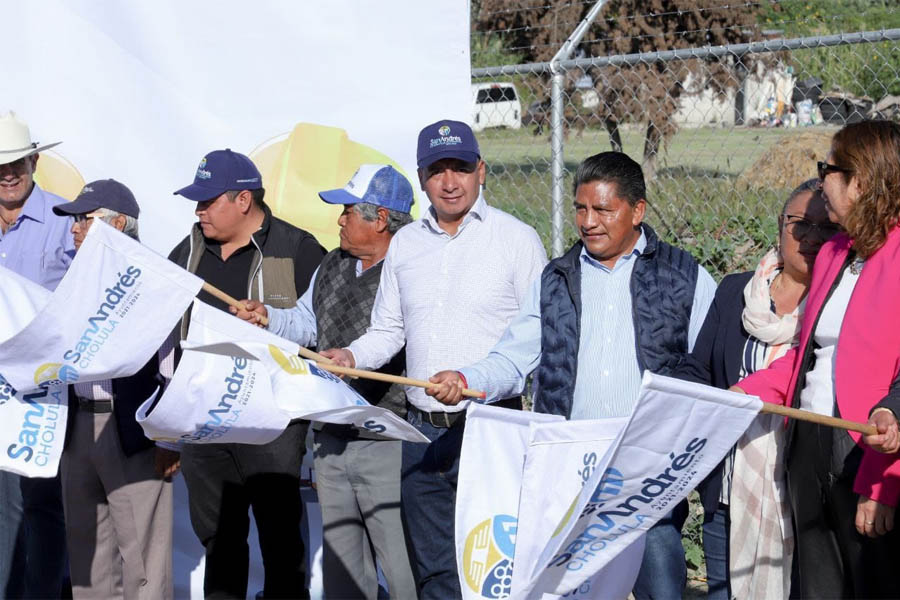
818,393
449,298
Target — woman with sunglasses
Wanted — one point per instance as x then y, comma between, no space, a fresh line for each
842,492
754,320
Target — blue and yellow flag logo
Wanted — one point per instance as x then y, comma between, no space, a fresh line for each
51,372
488,556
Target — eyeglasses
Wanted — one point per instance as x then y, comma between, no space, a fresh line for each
82,219
825,169
802,229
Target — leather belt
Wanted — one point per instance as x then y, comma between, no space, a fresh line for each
440,419
447,419
94,406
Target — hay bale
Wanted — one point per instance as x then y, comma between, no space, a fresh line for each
787,163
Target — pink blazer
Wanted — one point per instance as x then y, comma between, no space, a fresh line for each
867,354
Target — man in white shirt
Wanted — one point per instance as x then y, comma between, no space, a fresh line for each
450,285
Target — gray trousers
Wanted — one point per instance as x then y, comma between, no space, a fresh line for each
358,484
118,515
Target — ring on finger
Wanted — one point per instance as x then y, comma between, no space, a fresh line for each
870,522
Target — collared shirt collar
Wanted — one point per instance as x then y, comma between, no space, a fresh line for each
478,211
36,206
638,249
359,267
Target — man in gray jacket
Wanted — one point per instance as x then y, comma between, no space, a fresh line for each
357,472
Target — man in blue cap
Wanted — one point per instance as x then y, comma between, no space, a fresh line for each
450,284
357,471
238,246
116,483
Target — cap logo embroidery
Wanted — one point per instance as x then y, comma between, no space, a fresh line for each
86,189
444,130
202,173
447,140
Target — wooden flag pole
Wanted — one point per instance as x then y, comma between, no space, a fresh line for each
393,379
216,292
327,364
805,415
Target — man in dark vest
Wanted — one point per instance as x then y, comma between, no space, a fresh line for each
240,247
116,483
357,472
620,301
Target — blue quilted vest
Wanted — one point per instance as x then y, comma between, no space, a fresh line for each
662,294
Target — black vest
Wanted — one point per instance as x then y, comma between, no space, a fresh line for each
128,394
342,303
662,294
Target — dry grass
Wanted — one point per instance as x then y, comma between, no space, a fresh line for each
786,162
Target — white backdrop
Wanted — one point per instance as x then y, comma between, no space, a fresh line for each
140,91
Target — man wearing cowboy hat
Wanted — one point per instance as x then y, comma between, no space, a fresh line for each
36,244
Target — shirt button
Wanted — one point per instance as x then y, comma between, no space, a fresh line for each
605,373
609,339
610,307
2,254
440,304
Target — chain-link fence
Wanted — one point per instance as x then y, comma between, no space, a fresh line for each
724,132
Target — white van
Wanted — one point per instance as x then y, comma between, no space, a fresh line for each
495,105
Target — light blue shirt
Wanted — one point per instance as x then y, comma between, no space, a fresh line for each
608,375
298,324
39,244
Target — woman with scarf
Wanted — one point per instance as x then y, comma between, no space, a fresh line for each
842,492
755,319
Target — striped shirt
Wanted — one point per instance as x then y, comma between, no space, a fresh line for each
449,297
608,375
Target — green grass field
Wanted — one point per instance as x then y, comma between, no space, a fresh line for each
694,201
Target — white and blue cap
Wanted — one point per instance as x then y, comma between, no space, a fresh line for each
381,185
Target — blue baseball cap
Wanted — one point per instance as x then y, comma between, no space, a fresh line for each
104,193
381,185
446,139
221,171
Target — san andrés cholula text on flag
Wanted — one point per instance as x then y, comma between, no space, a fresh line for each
240,384
32,421
110,313
677,433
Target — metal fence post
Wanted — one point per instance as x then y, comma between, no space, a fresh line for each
557,160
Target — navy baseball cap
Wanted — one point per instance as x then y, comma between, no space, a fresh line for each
104,193
381,185
446,139
221,171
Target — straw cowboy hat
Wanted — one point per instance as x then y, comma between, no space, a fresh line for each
15,140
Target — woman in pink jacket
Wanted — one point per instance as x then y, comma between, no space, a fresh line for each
843,492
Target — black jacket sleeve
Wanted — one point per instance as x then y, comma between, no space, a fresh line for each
892,399
309,254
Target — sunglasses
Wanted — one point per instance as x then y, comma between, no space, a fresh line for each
84,218
802,229
825,169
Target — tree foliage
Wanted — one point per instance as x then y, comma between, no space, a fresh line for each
647,92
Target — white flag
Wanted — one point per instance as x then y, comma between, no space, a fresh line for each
110,313
487,497
562,457
32,421
677,433
239,383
